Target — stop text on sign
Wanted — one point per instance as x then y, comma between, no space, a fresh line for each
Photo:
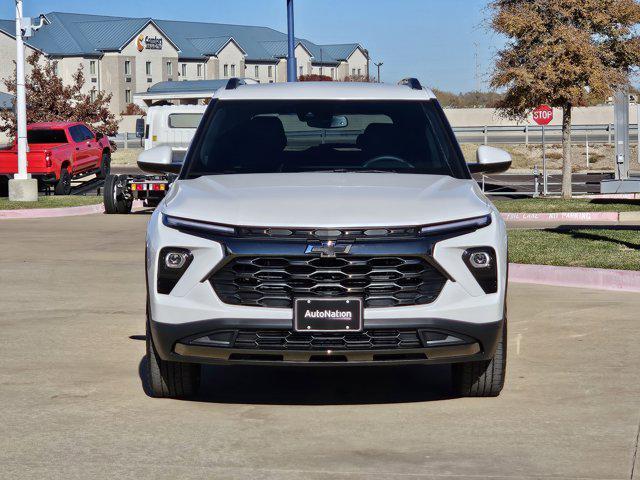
543,115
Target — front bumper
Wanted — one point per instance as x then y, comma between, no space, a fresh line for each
459,342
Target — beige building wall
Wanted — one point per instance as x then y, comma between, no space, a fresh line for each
263,72
233,57
156,58
329,71
303,60
358,63
7,56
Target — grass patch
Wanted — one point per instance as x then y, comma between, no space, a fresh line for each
128,156
51,202
554,205
595,248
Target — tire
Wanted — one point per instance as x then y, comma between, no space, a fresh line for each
4,186
170,379
63,186
485,378
105,166
114,201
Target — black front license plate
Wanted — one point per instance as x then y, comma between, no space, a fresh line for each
327,315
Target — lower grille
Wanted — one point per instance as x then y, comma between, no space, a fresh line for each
290,340
276,281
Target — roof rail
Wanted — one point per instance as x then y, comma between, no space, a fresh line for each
412,83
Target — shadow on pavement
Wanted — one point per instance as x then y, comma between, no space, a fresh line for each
320,385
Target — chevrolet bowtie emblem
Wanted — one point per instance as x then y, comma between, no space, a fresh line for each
328,249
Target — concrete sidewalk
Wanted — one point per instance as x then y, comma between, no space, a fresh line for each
72,403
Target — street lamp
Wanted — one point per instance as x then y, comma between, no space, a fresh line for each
291,57
22,187
379,64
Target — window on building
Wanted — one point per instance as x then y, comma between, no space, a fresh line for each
226,70
333,73
169,68
199,69
92,67
93,95
56,68
359,71
148,68
257,71
127,96
184,69
233,70
270,71
300,71
127,67
353,71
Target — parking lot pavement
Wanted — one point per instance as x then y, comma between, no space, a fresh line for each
72,403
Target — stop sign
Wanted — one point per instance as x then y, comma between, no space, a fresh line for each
543,115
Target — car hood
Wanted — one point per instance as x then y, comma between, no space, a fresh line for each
324,200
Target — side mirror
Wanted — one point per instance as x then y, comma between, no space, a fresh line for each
160,160
99,136
490,160
140,128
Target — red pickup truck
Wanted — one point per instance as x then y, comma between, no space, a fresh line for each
58,152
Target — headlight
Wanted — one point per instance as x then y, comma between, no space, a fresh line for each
457,226
195,226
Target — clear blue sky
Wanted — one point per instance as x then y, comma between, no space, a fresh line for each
433,40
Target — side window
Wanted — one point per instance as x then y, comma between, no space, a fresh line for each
76,133
87,134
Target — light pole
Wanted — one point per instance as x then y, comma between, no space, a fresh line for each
379,64
22,187
291,57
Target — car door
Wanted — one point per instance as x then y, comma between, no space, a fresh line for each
80,148
94,151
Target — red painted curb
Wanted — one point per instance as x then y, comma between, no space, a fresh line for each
561,216
578,277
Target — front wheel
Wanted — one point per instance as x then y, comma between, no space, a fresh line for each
170,379
105,167
114,196
63,186
484,378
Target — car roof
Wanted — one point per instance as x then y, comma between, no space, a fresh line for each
324,91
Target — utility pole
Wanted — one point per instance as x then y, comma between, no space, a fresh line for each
292,68
22,187
379,64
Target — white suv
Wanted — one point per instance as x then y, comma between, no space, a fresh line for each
325,224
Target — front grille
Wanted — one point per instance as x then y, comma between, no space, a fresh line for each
275,281
290,340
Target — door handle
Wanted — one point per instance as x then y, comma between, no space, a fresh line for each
77,148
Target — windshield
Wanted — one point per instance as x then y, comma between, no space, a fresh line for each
46,136
269,136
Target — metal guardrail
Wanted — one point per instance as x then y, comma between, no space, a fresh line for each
533,133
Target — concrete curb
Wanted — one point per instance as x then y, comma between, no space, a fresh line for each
52,212
59,212
565,216
578,277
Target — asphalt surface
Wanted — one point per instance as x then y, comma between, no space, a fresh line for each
73,406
